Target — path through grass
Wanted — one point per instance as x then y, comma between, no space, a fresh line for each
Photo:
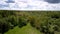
24,30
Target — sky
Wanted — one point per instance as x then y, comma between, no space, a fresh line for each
29,4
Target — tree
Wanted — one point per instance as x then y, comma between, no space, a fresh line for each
4,26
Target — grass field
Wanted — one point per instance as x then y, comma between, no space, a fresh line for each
24,30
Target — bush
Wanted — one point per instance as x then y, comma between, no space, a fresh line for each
4,26
8,20
22,22
13,20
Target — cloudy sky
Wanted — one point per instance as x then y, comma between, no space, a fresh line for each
30,4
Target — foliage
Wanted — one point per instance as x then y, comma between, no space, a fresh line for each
46,22
5,24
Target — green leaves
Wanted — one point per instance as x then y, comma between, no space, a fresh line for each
4,23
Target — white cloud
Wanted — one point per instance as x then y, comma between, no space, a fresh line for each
30,5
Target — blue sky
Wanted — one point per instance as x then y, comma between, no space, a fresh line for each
30,5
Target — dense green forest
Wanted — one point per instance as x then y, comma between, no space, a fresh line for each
45,22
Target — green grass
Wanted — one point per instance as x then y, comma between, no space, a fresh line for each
24,30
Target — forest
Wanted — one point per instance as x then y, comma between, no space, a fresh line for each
43,22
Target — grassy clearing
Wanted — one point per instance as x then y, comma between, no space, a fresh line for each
24,30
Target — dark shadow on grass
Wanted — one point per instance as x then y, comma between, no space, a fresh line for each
22,25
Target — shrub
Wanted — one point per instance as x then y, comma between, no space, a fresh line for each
4,26
13,20
22,22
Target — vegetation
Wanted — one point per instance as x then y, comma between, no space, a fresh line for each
46,22
24,30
